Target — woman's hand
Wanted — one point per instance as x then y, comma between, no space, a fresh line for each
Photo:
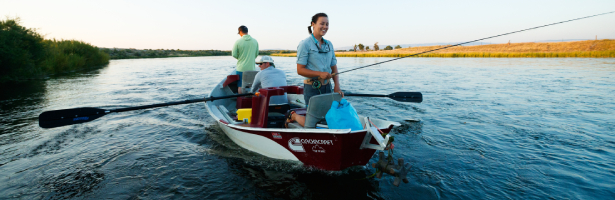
324,76
338,90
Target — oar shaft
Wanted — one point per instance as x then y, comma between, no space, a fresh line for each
414,97
367,95
157,105
57,118
177,103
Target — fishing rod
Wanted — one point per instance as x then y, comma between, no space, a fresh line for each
446,47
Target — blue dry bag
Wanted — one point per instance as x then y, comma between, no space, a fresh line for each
343,116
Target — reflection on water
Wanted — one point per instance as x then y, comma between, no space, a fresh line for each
488,128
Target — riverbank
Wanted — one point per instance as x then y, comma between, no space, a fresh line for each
26,55
116,53
131,53
587,49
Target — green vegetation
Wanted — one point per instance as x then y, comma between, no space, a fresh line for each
376,47
269,52
116,53
25,54
397,47
388,47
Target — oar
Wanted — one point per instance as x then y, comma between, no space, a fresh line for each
415,97
57,118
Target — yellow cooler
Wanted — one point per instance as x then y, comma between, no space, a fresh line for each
244,113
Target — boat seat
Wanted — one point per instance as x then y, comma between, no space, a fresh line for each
279,108
247,78
318,108
294,125
227,115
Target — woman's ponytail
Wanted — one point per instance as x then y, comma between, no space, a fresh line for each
315,19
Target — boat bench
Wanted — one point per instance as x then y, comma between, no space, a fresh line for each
317,110
261,107
247,78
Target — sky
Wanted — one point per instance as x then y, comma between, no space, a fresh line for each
204,25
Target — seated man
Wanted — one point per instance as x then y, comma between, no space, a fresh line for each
269,76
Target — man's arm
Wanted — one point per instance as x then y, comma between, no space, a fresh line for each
256,49
305,72
257,83
235,49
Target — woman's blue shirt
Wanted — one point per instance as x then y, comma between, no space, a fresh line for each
309,55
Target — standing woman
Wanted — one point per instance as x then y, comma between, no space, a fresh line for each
316,58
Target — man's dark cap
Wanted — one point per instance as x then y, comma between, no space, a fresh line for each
243,29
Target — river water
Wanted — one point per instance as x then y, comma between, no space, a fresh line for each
490,128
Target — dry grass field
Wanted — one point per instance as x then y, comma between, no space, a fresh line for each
587,48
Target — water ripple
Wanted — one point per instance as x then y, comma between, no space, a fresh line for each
487,129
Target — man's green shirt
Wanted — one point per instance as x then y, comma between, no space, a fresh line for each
246,51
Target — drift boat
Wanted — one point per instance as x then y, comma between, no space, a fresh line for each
313,145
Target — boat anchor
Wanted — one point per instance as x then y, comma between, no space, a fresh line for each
387,166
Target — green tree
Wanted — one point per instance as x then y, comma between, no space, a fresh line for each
355,47
21,49
388,47
361,47
397,47
367,48
26,54
376,47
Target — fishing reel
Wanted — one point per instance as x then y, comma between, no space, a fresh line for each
316,84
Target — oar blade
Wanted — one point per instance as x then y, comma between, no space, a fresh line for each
57,118
415,97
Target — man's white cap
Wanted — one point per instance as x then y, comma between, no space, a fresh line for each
265,59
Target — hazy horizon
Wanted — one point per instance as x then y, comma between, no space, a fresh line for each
197,25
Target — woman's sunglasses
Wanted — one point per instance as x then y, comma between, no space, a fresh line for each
325,49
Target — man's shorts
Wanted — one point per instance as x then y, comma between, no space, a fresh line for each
240,75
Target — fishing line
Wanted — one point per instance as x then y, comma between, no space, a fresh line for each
474,41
